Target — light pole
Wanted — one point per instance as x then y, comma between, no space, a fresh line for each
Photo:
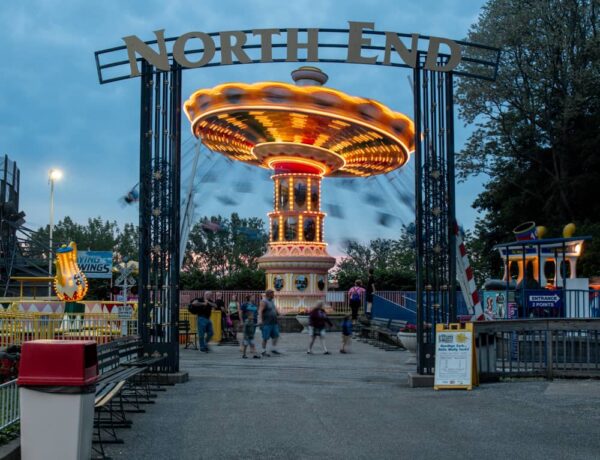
53,175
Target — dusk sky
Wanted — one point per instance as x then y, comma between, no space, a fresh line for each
54,113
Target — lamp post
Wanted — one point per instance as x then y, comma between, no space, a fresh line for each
53,175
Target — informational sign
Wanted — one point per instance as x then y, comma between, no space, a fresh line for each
125,311
544,299
455,366
95,264
125,314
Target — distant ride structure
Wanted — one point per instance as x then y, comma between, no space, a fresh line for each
302,133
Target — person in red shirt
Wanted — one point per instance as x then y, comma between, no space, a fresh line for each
317,320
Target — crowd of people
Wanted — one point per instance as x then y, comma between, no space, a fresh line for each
261,313
245,317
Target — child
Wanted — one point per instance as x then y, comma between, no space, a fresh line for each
249,331
317,320
346,333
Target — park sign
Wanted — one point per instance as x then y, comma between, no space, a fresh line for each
544,299
95,264
233,47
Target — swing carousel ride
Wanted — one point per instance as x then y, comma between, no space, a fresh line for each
302,133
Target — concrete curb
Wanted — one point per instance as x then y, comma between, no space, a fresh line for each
11,451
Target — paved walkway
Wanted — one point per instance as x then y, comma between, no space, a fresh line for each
355,406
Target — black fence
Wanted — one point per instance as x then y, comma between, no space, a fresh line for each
538,348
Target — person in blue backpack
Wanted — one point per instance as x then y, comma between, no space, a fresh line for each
346,333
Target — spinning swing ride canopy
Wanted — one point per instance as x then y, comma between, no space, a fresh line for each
277,125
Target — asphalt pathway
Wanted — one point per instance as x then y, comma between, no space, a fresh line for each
355,406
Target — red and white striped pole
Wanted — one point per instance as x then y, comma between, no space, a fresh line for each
466,279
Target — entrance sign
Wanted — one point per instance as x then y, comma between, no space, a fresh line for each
232,44
95,264
434,63
359,44
455,366
543,299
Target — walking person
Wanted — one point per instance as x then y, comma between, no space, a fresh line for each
267,319
370,291
249,329
234,310
346,333
204,309
355,294
248,309
317,319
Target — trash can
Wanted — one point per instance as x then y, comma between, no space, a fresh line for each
57,385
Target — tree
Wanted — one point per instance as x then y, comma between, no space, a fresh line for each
127,243
393,262
227,249
97,235
536,126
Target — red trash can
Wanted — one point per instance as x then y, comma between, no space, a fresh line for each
57,386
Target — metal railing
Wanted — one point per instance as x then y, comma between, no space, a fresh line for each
406,299
9,404
338,300
16,328
534,347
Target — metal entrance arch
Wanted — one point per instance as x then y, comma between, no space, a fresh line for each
160,151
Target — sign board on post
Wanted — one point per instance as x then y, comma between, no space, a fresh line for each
95,264
455,365
125,314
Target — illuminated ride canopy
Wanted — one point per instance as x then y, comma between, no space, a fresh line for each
302,133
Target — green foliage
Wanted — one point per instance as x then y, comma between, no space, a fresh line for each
96,235
127,243
225,255
245,279
197,280
9,433
536,127
393,262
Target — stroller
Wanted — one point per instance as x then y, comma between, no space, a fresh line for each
228,335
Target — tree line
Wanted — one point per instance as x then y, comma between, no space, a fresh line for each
222,253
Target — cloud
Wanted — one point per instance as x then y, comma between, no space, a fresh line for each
53,112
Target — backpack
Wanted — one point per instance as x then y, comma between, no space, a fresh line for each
355,296
193,309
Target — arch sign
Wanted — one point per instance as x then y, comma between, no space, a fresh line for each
434,62
359,44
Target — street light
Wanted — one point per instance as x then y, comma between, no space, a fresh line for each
53,175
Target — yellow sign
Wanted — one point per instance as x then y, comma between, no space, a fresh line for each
70,284
455,363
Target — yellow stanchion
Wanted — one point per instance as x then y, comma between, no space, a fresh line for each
215,317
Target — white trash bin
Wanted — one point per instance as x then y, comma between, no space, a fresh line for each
57,384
